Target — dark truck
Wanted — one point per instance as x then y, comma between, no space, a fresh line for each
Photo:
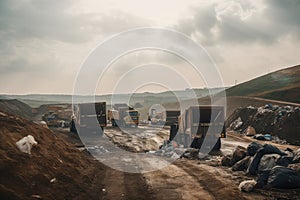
87,115
123,116
193,125
172,117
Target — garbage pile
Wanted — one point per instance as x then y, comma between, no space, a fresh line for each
269,122
169,149
97,149
272,167
172,150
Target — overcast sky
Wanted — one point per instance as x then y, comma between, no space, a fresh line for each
44,43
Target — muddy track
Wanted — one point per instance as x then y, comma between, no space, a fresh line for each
122,185
214,183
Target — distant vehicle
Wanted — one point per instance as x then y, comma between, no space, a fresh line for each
123,116
172,117
192,126
86,113
157,118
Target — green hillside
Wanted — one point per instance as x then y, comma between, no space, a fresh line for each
283,85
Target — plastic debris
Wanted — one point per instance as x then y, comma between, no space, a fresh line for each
247,186
26,143
250,131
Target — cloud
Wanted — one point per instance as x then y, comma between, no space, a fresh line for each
53,20
243,21
43,43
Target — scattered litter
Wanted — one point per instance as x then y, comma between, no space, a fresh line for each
236,124
247,186
97,149
226,160
3,114
242,164
262,110
297,157
268,137
26,143
295,166
259,137
250,131
53,180
268,161
36,196
238,154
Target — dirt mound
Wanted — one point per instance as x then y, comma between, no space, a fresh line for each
16,107
274,120
55,170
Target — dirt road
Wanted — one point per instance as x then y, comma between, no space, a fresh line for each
183,179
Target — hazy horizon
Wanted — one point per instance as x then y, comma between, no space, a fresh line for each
45,43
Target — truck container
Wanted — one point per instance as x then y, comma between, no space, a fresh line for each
198,124
87,115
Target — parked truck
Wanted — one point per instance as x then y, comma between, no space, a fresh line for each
87,115
172,117
198,124
123,116
157,118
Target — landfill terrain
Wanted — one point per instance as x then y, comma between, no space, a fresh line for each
60,167
258,159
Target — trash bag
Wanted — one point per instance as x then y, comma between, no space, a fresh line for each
297,157
262,178
266,149
247,186
250,131
252,148
26,143
270,149
286,160
259,137
239,153
191,153
268,161
284,178
295,166
226,161
242,164
268,137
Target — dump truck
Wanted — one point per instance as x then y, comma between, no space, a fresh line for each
87,115
172,117
198,124
123,116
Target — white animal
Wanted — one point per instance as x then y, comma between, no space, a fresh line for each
247,186
26,143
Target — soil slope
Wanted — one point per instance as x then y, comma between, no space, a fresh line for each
281,85
16,107
74,174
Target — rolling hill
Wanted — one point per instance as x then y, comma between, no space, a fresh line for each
283,85
16,107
